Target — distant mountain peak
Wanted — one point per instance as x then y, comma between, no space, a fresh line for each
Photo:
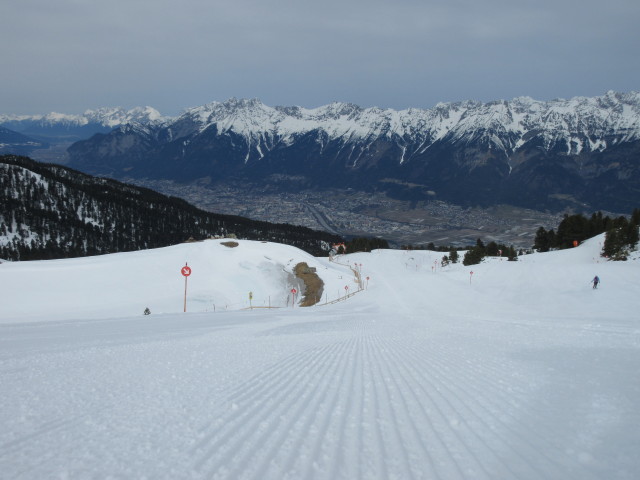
555,119
551,152
105,116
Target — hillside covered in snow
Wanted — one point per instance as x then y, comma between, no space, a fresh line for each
404,369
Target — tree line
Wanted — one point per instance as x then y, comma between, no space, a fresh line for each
621,233
50,211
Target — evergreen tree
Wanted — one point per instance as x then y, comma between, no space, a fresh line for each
632,236
474,256
542,242
574,228
362,244
492,249
551,238
614,245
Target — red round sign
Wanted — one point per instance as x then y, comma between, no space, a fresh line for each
186,271
293,290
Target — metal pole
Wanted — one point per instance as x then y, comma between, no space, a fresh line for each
185,294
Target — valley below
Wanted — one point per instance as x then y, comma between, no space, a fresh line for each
354,213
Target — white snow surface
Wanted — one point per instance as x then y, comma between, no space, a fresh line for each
518,371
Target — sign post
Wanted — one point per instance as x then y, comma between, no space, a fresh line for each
470,275
293,297
185,271
250,298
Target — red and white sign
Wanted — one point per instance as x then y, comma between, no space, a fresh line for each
294,291
185,271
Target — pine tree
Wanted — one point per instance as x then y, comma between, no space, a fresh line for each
474,255
632,236
492,249
542,241
614,244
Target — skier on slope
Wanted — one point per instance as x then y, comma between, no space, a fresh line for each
595,281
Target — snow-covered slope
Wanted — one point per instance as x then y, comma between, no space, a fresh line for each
126,284
519,371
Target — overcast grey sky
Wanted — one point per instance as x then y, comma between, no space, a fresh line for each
70,55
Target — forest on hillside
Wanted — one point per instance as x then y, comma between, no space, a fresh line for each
50,211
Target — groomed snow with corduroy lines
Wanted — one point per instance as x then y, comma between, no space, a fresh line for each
519,371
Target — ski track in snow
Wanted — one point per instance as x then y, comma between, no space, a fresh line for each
374,406
394,383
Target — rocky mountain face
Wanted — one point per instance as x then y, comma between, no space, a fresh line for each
582,152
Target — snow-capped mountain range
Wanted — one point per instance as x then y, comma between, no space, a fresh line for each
544,154
580,123
54,128
107,117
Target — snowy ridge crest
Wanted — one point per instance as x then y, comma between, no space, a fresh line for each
107,116
580,123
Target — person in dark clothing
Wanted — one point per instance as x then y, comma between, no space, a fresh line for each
595,281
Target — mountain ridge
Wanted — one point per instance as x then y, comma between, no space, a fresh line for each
545,155
106,116
519,115
616,111
578,153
